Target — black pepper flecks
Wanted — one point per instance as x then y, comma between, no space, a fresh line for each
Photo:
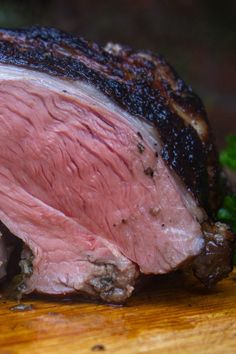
154,211
141,148
37,48
140,135
149,172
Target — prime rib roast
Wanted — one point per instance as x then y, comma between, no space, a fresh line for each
107,168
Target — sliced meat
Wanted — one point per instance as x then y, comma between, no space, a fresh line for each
107,166
142,83
76,177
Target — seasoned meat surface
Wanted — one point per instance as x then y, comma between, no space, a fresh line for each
215,261
107,166
82,188
142,83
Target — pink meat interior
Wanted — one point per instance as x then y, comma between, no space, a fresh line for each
79,185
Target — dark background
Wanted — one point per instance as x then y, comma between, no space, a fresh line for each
197,36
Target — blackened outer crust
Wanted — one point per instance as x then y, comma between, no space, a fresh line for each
140,82
215,261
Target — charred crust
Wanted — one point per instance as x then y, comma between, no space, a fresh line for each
215,261
112,286
142,83
185,149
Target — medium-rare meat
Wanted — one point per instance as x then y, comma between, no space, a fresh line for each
107,166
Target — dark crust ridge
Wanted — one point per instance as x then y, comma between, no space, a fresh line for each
113,286
142,83
215,261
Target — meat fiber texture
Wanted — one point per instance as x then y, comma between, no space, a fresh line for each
107,166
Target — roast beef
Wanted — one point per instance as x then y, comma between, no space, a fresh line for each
107,166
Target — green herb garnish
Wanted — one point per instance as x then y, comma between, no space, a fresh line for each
228,156
227,213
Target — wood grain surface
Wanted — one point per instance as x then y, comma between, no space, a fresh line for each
172,314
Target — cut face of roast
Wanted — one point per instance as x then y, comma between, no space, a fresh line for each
82,183
107,168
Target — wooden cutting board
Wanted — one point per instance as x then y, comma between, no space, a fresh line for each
174,315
